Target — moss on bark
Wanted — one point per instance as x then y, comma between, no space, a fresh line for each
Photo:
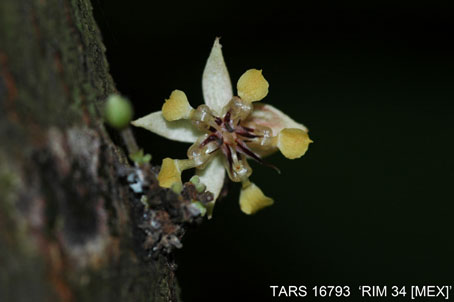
66,233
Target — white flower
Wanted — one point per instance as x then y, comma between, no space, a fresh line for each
225,132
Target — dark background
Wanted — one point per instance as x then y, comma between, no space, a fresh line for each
371,203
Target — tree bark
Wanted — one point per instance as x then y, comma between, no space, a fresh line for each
71,228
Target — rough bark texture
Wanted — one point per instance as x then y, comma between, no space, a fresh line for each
70,226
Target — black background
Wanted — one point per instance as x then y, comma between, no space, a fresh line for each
371,203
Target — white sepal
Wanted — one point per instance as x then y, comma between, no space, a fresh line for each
181,130
216,85
269,116
213,177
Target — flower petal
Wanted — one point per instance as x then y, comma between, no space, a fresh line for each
213,177
252,86
252,199
176,107
170,173
216,85
181,131
293,142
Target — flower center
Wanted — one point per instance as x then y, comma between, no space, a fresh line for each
228,134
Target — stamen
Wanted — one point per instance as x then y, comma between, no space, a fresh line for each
248,129
246,132
201,151
228,153
229,128
245,150
208,140
227,117
248,135
228,122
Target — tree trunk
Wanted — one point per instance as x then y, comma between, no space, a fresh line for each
71,228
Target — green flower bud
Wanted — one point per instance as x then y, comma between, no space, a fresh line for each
140,158
200,187
195,180
118,111
199,206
